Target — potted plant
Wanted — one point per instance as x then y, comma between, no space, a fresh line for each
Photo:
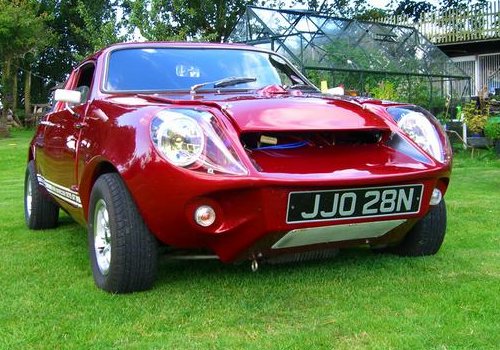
475,115
492,131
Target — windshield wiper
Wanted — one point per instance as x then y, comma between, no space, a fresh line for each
230,81
302,86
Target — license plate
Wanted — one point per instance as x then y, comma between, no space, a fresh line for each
310,206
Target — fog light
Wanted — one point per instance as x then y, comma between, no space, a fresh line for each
436,197
204,216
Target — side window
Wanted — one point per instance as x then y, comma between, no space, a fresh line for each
84,82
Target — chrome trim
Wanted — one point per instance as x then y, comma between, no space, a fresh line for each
336,233
60,192
47,123
102,237
436,197
29,197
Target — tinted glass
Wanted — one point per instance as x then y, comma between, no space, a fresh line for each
159,69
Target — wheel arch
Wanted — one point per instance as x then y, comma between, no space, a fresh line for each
93,170
30,154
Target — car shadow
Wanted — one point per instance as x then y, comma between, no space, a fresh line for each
349,260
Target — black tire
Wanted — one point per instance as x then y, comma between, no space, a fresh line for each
426,237
40,211
132,261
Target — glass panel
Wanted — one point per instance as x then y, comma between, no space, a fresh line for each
348,44
164,69
347,51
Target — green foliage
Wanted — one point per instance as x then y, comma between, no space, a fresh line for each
23,33
492,128
346,53
97,31
184,19
359,9
475,115
376,70
412,8
416,9
372,14
385,90
82,27
317,76
49,37
415,90
22,28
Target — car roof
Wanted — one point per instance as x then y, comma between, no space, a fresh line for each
171,44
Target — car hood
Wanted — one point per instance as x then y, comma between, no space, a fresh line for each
257,112
300,113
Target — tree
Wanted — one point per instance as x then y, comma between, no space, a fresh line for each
184,19
412,9
101,26
22,30
82,27
339,8
415,9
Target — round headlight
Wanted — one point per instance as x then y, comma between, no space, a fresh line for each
423,133
180,138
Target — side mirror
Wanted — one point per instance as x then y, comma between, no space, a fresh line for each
68,96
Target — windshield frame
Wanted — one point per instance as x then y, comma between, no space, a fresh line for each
103,89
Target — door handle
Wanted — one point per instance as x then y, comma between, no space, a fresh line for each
80,125
46,123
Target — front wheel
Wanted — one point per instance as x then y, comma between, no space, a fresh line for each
123,253
426,237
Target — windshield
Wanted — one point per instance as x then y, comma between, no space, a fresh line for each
160,69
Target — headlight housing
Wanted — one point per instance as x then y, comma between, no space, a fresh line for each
195,140
424,129
180,140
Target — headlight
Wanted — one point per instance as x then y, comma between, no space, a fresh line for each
422,128
180,140
195,140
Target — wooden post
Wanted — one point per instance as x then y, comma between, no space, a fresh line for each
6,96
15,118
14,91
27,94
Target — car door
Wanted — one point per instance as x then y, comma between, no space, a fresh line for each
56,160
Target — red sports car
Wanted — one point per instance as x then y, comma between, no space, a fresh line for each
229,149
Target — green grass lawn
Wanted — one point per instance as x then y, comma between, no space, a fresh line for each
358,300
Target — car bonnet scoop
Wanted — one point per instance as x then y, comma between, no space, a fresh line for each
295,113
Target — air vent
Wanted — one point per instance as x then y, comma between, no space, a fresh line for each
261,141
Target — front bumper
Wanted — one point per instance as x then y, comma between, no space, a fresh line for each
251,212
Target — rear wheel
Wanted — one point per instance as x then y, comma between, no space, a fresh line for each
123,253
426,237
40,212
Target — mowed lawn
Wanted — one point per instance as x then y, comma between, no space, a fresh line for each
358,300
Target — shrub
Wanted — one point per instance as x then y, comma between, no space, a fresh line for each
492,128
475,116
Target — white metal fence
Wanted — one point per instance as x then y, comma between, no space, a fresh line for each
477,22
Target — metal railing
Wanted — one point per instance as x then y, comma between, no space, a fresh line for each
477,22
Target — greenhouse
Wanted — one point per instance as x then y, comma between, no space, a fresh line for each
368,58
